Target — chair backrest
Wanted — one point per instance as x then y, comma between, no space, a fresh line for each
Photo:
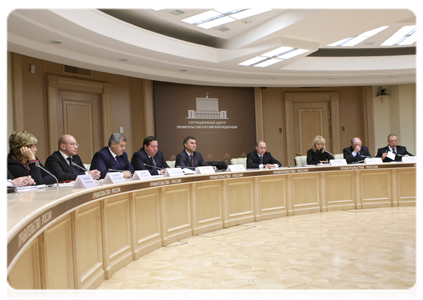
339,156
239,161
171,163
300,161
87,166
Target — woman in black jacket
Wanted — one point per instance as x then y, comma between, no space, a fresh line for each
22,161
318,154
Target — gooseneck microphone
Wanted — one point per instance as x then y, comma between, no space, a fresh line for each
45,170
152,166
79,166
330,153
114,170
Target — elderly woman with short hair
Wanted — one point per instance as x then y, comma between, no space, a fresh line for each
22,161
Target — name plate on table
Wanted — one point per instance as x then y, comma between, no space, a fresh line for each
173,172
204,170
409,159
140,175
338,162
114,177
373,160
235,168
84,181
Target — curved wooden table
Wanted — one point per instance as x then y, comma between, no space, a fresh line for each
61,238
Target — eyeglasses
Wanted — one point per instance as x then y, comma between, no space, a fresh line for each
320,144
74,144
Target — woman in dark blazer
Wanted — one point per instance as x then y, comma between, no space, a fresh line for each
318,154
22,161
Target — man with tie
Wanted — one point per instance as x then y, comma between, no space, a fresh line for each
261,159
394,148
149,157
188,158
356,152
65,163
113,158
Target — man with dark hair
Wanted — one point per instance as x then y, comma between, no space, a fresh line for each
149,157
189,158
113,158
356,152
65,163
261,159
393,147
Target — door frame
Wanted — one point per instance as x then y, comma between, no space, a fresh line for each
56,83
332,98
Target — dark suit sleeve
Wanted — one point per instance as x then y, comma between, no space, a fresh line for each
200,160
9,175
180,162
128,165
99,162
137,161
273,160
55,166
251,163
348,155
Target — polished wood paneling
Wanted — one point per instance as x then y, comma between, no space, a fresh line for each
206,207
146,222
306,193
58,256
376,189
240,201
177,209
116,233
339,191
88,246
406,183
272,197
26,272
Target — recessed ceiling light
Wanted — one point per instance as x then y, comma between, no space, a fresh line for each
182,70
177,12
246,22
253,61
56,42
122,59
405,36
268,62
352,41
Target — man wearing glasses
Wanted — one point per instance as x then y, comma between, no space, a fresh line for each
65,163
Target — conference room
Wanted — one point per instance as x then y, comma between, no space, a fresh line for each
230,79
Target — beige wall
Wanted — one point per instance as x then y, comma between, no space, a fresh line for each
396,114
8,105
127,101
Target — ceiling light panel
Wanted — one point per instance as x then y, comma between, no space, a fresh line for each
352,41
216,22
293,53
410,40
278,51
250,12
268,62
252,61
401,36
201,17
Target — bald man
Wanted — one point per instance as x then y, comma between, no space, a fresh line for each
62,162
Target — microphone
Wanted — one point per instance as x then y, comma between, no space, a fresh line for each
152,166
330,153
79,166
45,170
114,170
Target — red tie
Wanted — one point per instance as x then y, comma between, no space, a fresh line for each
192,160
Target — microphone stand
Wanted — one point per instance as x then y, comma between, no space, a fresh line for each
45,170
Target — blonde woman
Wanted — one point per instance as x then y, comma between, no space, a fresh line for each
318,154
22,161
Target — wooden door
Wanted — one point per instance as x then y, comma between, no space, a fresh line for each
310,119
81,115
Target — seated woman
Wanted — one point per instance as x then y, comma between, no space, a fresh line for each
21,160
318,154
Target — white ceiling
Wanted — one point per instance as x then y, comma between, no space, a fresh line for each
158,46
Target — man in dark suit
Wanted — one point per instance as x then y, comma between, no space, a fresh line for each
261,159
356,152
113,158
393,147
149,155
188,158
62,162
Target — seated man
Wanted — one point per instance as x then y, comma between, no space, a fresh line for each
188,158
356,152
399,151
261,159
113,158
65,163
149,157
